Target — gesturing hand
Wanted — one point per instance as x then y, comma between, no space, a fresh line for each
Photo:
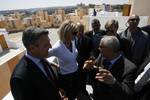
105,76
88,64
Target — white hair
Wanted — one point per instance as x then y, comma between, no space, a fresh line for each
111,42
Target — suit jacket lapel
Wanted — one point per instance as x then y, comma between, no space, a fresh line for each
34,68
117,68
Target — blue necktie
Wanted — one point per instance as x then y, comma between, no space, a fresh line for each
106,63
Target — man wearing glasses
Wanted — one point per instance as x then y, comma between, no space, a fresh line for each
135,42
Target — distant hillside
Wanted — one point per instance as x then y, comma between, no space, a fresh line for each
50,10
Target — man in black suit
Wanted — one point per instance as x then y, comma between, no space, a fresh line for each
135,41
146,29
114,78
84,47
30,80
95,34
83,44
142,82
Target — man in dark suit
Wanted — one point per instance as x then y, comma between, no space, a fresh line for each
146,29
95,34
142,82
135,41
83,44
145,62
84,47
30,80
114,78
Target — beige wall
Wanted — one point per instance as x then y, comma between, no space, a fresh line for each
141,7
3,24
6,69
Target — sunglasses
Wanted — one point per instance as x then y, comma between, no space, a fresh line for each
111,31
134,19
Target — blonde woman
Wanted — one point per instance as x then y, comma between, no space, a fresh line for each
66,52
111,27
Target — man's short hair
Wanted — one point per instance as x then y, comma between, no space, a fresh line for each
95,21
31,35
134,17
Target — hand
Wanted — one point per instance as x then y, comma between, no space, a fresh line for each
65,98
88,64
62,94
54,65
92,58
105,76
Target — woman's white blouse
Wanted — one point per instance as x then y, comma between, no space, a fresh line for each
66,58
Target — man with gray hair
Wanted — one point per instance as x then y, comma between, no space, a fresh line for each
114,78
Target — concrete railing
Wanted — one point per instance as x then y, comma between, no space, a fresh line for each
8,60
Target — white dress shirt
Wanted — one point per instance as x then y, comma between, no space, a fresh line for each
37,62
66,58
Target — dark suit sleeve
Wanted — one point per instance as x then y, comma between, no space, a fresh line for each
144,94
19,90
124,90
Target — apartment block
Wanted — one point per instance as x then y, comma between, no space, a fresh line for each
3,24
16,15
41,14
57,20
50,20
15,24
99,8
60,12
46,16
27,21
85,22
37,20
75,18
81,12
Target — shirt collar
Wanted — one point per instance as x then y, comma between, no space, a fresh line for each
115,59
34,59
93,33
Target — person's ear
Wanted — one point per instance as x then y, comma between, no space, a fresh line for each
126,24
32,47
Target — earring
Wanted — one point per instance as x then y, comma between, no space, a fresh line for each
126,24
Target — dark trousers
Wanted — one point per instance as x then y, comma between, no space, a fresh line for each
70,84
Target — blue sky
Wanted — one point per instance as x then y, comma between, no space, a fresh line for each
21,4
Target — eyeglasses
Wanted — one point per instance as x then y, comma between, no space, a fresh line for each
111,31
75,33
134,19
102,46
